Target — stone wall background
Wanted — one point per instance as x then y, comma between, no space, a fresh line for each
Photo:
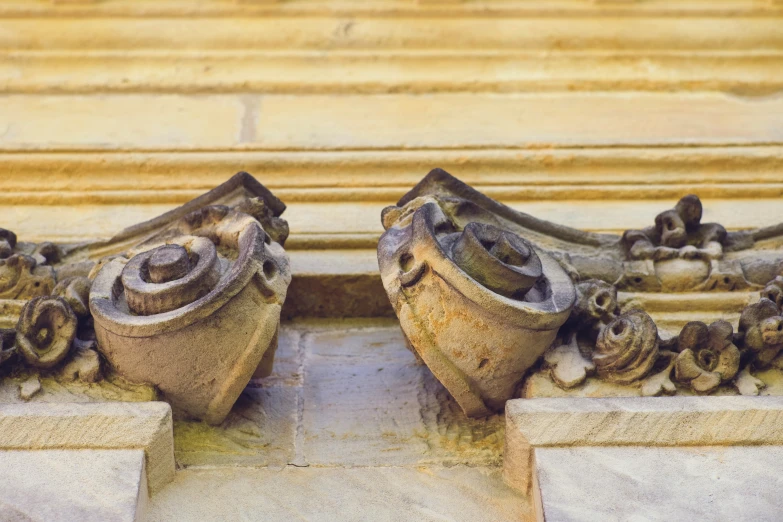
596,114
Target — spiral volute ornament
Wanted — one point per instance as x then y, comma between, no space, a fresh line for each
478,304
626,348
498,259
195,310
45,331
170,276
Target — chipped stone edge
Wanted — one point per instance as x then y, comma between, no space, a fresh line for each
119,425
632,421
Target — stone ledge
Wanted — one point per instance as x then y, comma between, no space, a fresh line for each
40,72
146,426
85,485
648,421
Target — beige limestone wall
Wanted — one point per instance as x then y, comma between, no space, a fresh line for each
594,114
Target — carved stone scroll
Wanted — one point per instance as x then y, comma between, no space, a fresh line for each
194,310
478,304
188,302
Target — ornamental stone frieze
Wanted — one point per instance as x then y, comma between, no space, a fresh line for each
188,303
499,303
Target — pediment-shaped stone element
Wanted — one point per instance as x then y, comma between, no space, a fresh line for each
242,191
676,253
478,304
188,302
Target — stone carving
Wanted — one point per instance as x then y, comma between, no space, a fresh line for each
774,291
21,277
188,302
677,233
626,348
194,310
618,348
7,344
600,340
7,243
76,292
596,306
678,253
761,326
45,331
478,304
708,356
569,366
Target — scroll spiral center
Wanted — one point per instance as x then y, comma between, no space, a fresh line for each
168,263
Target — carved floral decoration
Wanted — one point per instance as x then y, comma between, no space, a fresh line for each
45,331
708,356
628,350
46,338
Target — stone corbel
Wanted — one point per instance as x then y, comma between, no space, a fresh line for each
478,305
188,302
483,291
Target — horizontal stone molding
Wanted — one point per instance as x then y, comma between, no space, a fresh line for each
415,71
178,8
636,421
541,26
519,173
111,425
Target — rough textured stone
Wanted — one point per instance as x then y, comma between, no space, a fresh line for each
660,484
362,400
367,402
261,428
78,484
344,393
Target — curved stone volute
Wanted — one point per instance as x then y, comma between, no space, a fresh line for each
195,311
478,305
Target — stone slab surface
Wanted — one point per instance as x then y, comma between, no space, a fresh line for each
108,426
660,484
342,393
318,494
77,485
261,428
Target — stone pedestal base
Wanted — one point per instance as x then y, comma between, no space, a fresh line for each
668,458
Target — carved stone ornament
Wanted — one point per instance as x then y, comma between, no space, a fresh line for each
676,253
482,291
478,304
194,321
708,356
188,302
